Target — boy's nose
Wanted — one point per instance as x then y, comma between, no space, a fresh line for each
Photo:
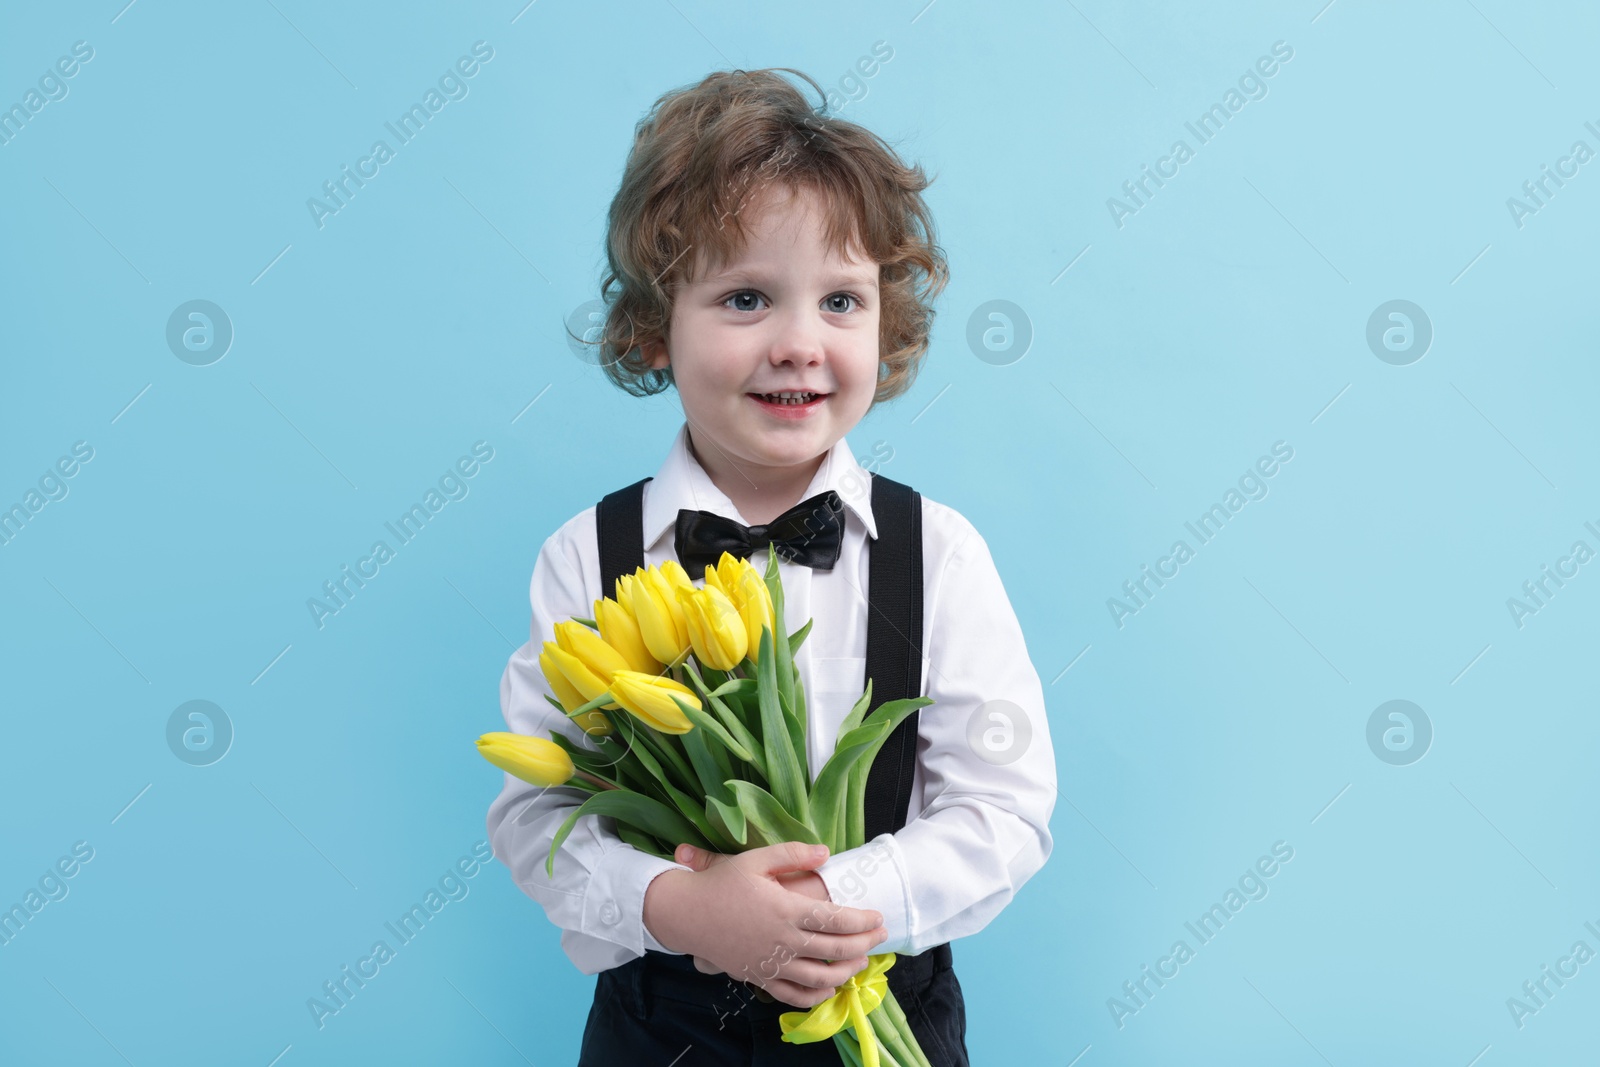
799,341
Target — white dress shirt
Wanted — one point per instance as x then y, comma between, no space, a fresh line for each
977,827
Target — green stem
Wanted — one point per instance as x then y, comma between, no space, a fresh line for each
889,1036
896,1017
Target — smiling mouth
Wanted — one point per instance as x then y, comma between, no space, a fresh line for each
788,399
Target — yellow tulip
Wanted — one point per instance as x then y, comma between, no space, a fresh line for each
857,997
591,722
651,599
588,684
743,585
648,697
590,648
594,723
562,689
620,630
533,759
716,631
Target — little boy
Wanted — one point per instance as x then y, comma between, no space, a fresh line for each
777,267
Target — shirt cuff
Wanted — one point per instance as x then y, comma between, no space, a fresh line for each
613,904
873,876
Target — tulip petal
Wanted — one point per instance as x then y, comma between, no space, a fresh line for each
563,689
648,697
620,630
590,648
537,760
585,681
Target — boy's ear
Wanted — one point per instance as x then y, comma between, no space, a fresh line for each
655,354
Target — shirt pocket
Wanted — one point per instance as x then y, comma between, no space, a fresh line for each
836,684
840,680
836,680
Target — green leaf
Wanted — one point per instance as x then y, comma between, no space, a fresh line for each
857,711
694,810
643,842
798,638
856,747
665,748
687,802
713,778
828,796
892,711
742,742
642,766
897,709
590,623
642,813
784,668
714,786
737,687
725,764
768,821
707,724
743,705
586,759
783,771
796,718
726,816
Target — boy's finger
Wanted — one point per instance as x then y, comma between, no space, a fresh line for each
829,918
795,995
840,946
820,975
786,856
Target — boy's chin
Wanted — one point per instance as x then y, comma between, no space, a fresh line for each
787,449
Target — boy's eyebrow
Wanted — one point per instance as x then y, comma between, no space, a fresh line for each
867,277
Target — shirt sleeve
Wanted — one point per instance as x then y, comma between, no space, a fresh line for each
597,892
987,767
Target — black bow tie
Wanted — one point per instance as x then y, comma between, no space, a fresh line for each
811,533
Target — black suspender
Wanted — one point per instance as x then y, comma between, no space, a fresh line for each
619,528
894,645
894,621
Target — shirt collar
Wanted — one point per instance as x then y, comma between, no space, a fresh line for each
683,483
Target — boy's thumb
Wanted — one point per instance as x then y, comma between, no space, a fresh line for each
694,858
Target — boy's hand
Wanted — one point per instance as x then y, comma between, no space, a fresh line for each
808,883
737,914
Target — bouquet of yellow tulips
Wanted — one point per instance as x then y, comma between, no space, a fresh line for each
695,719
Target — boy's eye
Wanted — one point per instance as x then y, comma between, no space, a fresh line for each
749,300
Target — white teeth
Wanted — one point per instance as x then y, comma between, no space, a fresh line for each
788,398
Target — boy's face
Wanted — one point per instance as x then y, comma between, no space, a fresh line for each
785,315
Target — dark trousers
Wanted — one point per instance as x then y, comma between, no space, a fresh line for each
658,1010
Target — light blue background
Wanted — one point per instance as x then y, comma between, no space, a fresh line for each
1229,313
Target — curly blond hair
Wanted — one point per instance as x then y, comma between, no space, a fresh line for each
699,155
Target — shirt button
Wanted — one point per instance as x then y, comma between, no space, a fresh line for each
610,913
